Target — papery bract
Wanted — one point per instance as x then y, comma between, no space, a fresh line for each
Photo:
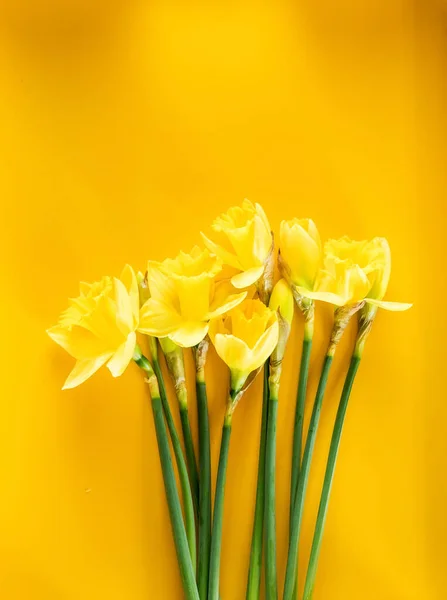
99,326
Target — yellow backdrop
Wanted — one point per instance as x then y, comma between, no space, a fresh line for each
126,126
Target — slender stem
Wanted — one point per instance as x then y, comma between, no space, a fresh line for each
298,504
254,573
299,420
271,580
190,454
328,478
205,488
216,537
188,504
175,511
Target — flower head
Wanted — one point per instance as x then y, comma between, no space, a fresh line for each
301,251
99,326
184,296
354,272
242,238
244,338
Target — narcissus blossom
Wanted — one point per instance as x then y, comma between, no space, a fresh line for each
185,296
354,271
242,239
244,338
300,251
99,326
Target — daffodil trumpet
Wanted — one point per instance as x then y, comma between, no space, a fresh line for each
188,503
175,511
200,355
176,367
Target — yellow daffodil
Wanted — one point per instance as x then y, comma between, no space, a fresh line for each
99,326
184,296
354,272
244,338
300,251
242,238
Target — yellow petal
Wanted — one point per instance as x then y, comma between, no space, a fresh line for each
247,278
189,334
129,279
158,318
356,284
329,297
84,369
233,351
228,258
124,315
265,346
220,306
392,306
261,213
79,342
122,357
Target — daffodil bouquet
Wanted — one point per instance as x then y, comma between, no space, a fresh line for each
225,294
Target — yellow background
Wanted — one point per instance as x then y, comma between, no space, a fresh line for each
126,127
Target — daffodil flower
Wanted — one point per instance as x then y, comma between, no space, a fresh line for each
184,297
354,272
99,326
244,338
242,239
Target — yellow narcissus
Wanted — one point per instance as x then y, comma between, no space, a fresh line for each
99,326
184,296
354,271
244,338
300,252
242,238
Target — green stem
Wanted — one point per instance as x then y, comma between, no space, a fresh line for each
205,489
299,420
328,478
254,573
216,537
271,580
175,511
298,504
188,504
190,454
